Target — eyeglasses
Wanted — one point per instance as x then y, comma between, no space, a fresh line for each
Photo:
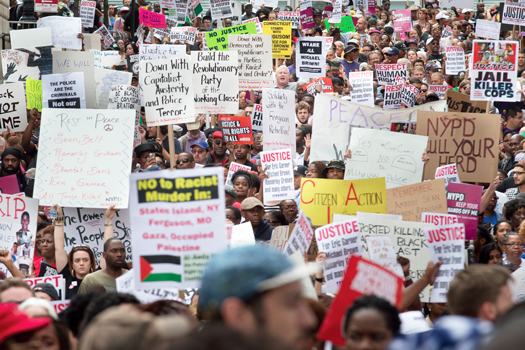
433,43
160,163
256,139
198,151
220,143
183,160
519,172
514,244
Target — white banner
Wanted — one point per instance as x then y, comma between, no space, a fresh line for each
279,168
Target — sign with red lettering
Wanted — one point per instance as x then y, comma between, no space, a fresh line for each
464,201
449,173
151,19
387,73
440,90
439,219
361,278
279,167
446,244
46,6
60,305
471,141
257,117
236,129
57,282
300,238
233,168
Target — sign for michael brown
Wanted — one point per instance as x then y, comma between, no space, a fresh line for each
311,62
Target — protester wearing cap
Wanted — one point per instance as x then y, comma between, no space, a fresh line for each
209,134
38,307
46,291
256,291
433,50
374,36
199,151
335,65
193,134
252,210
392,55
401,47
230,195
349,64
412,44
17,330
335,170
142,154
11,165
218,154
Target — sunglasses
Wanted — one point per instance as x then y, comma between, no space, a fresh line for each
183,160
160,163
423,90
308,35
220,143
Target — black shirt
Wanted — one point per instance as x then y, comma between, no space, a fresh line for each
72,284
506,184
249,163
438,58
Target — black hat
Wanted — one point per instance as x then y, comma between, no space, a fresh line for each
432,96
338,164
48,289
299,170
151,147
401,46
211,130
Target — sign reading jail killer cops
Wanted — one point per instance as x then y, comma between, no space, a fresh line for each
217,40
387,73
13,114
457,101
464,201
236,129
63,90
412,200
278,119
281,33
168,90
87,157
215,81
255,63
177,219
469,140
321,198
280,182
311,57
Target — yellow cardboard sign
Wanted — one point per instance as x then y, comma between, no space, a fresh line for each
281,32
34,94
321,198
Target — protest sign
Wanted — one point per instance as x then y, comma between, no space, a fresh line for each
294,17
281,33
30,37
339,241
362,87
334,118
85,226
258,25
64,31
29,62
440,90
280,236
257,118
402,21
232,169
381,251
464,201
412,200
446,244
67,62
220,9
46,6
360,4
215,81
255,63
13,107
181,7
311,57
127,97
446,33
9,184
409,94
126,284
305,4
387,73
469,140
513,15
280,182
190,199
278,119
321,198
151,19
236,129
326,85
242,235
56,281
337,7
346,25
168,90
361,214
104,80
300,238
448,172
392,96
406,127
439,219
59,305
183,34
307,18
63,90
218,39
494,70
105,35
455,60
88,154
106,59
379,153
311,88
34,94
361,278
487,29
168,4
87,13
92,41
457,101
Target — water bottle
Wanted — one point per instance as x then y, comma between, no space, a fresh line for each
53,212
470,252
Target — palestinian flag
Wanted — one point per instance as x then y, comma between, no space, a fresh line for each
159,268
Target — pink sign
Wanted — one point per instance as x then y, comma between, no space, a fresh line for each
152,19
307,18
464,200
371,7
402,21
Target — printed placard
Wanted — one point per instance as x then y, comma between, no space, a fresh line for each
440,90
78,61
257,118
448,172
13,107
402,21
310,57
46,6
258,25
307,18
232,169
294,17
221,9
513,15
105,35
387,73
281,33
236,129
439,219
87,13
279,168
278,120
362,87
183,34
64,90
409,94
300,238
56,281
455,60
392,96
464,201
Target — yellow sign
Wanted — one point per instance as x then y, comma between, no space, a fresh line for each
34,94
281,32
321,198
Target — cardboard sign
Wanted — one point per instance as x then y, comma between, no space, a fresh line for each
339,241
381,251
64,30
402,21
46,6
68,61
392,96
126,284
363,87
311,57
30,38
281,33
412,200
294,17
87,13
457,101
215,81
13,107
218,39
56,281
242,235
183,34
64,90
279,168
494,70
446,244
394,156
488,29
232,169
321,198
151,19
300,238
387,73
448,172
236,129
191,199
469,140
361,278
220,9
278,120
513,15
438,219
88,154
92,41
307,18
168,90
257,118
455,60
464,201
440,90
280,236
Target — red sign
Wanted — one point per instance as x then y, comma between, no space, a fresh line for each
326,85
362,277
236,129
46,5
152,19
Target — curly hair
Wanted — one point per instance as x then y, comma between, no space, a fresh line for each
387,310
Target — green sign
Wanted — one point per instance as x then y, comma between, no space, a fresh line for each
218,39
346,25
34,94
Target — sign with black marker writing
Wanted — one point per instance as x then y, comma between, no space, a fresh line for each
13,107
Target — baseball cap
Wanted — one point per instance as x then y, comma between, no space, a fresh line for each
353,41
194,125
401,46
201,143
350,48
317,12
431,39
335,63
413,322
466,10
217,134
243,273
124,9
441,15
300,170
250,203
211,130
431,65
13,321
338,164
392,51
412,41
48,289
230,190
432,96
414,8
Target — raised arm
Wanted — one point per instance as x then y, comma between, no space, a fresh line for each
28,146
411,293
60,250
108,229
7,260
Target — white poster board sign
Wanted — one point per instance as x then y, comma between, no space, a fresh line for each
381,251
242,235
255,60
56,281
311,57
232,169
257,118
448,172
279,167
300,238
127,97
362,87
278,119
455,60
64,30
183,34
106,59
439,219
69,61
13,107
64,90
22,38
87,13
126,284
488,29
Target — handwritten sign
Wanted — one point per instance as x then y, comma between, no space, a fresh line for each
87,13
242,235
127,97
69,61
487,29
281,33
64,30
464,201
280,184
255,64
381,251
106,59
151,19
278,120
63,90
34,94
13,107
87,157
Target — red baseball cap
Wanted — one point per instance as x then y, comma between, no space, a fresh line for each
217,134
13,321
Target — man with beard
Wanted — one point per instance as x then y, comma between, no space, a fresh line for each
219,155
11,157
507,164
115,254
